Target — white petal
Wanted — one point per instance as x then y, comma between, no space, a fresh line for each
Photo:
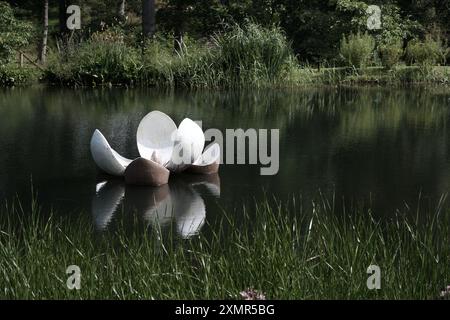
189,145
209,156
105,157
154,135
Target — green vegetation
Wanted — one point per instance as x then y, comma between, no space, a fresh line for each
227,44
241,56
13,75
102,59
427,52
248,55
390,53
287,253
357,49
14,34
252,53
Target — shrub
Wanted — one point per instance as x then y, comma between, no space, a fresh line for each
13,33
12,75
193,66
102,59
107,62
251,55
428,52
197,66
390,53
156,63
357,49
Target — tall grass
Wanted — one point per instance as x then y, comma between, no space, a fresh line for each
249,55
252,54
280,249
357,49
241,56
429,52
102,59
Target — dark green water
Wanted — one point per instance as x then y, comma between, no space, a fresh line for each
374,146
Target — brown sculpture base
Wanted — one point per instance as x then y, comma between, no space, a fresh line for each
208,169
145,172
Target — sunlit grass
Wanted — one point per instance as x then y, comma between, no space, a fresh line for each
277,249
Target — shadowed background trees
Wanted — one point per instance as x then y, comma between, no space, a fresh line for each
314,27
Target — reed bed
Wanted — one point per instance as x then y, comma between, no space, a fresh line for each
278,249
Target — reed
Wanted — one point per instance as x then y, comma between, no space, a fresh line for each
279,249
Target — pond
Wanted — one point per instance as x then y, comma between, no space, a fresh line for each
380,147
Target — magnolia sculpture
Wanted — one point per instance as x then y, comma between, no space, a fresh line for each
163,148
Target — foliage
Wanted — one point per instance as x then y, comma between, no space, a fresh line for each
315,28
242,56
252,52
14,34
102,59
390,53
357,49
427,52
249,55
13,75
395,26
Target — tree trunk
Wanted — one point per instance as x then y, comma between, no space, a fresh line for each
62,17
178,26
43,47
121,11
148,18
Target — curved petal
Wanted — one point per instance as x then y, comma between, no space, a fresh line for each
105,157
208,162
154,136
189,144
210,155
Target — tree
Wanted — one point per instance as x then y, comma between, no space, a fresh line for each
43,46
62,17
148,18
121,10
14,34
179,27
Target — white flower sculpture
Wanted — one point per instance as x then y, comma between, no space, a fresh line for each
163,147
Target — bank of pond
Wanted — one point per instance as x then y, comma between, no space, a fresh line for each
243,56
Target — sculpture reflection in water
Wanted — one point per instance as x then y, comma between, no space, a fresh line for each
179,201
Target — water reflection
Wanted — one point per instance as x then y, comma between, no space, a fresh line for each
372,145
180,202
